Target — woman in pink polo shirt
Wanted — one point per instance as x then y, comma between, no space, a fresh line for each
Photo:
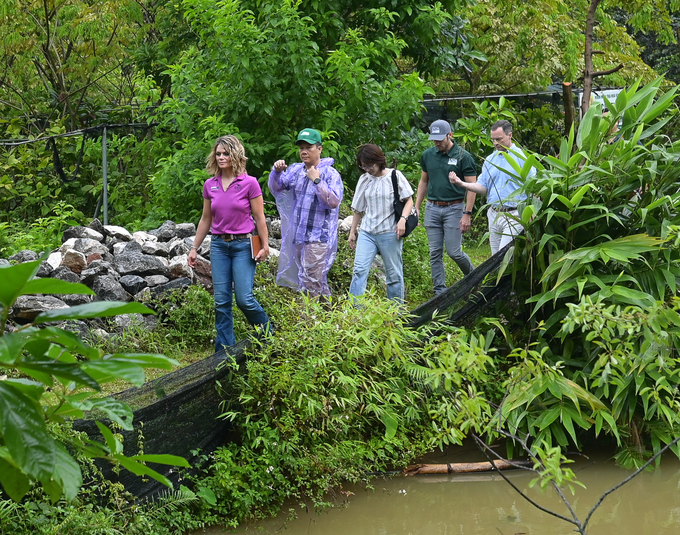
233,206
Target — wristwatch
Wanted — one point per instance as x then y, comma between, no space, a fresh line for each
317,180
467,212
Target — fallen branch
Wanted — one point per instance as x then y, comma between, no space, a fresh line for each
463,468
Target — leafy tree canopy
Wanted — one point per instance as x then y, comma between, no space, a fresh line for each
63,59
534,43
265,77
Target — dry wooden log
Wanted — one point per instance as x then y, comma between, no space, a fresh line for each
462,468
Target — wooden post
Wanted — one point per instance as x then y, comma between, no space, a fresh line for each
569,110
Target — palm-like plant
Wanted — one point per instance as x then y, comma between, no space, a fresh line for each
600,248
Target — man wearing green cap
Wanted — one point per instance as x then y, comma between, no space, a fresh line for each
308,196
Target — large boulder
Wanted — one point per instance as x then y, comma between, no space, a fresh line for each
203,273
28,307
156,280
345,225
139,264
98,226
68,244
82,232
275,228
74,260
76,299
107,288
184,230
118,233
118,248
203,250
88,247
179,268
132,247
178,247
65,274
166,231
24,256
54,259
134,284
140,237
182,282
155,248
97,269
44,270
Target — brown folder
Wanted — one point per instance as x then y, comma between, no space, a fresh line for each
255,246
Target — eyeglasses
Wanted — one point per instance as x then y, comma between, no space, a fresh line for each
367,167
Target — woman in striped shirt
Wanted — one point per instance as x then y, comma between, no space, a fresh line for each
373,206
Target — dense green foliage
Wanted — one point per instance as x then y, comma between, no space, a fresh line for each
587,346
598,268
355,70
59,379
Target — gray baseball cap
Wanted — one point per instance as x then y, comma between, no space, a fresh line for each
439,129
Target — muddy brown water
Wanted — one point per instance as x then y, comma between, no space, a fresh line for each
475,504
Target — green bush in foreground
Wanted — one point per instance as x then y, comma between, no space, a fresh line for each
60,377
341,394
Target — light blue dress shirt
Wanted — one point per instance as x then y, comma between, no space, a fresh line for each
500,179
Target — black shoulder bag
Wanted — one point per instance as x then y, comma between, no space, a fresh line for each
412,219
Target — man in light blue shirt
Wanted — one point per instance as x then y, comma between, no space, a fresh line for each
499,181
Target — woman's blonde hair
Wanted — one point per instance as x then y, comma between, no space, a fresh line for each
232,145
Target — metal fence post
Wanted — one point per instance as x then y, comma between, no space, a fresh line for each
105,168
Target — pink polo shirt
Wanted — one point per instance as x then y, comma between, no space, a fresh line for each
231,208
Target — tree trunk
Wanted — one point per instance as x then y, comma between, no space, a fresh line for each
463,468
588,57
569,111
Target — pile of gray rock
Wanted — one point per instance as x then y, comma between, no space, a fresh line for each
122,266
119,265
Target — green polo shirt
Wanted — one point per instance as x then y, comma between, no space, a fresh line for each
438,165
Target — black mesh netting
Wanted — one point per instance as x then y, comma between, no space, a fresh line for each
178,413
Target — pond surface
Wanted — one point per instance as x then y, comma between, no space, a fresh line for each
483,503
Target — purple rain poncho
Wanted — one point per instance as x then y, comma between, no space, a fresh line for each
309,225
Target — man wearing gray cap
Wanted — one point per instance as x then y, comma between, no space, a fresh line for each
448,209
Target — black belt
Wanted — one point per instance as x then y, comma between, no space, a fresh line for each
446,203
232,237
503,208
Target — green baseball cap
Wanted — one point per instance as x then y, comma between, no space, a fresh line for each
309,135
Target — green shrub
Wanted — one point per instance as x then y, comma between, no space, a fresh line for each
341,392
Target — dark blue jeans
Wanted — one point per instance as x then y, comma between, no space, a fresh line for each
233,265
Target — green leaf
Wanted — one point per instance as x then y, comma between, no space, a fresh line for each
15,483
115,446
32,389
207,495
634,297
172,460
659,107
55,286
391,424
105,371
14,278
139,469
114,409
23,428
44,370
146,360
98,309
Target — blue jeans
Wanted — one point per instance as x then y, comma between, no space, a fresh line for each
390,248
232,264
442,224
